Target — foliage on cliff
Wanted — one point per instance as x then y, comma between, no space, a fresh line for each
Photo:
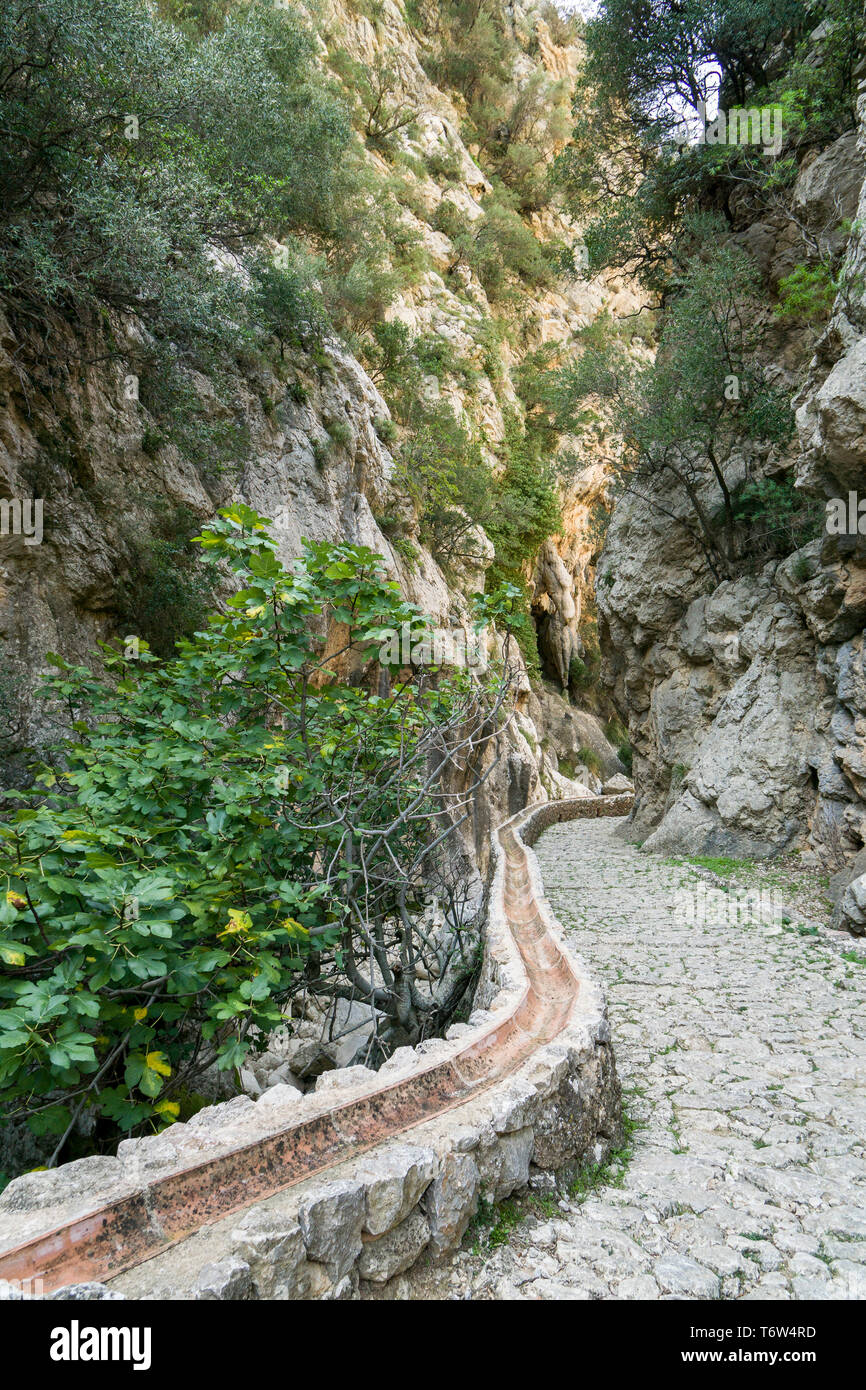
684,417
652,82
704,110
240,189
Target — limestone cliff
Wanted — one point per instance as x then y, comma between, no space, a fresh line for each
746,698
315,440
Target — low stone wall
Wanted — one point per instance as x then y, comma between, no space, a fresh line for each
535,1088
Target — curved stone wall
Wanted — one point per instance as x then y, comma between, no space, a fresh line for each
236,1203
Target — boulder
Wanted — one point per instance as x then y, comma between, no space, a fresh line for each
451,1200
840,881
85,1293
73,1184
516,1150
617,786
331,1219
228,1279
272,1245
850,911
389,1255
343,1078
281,1094
394,1181
503,1163
827,188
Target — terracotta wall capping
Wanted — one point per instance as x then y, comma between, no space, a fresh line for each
306,1196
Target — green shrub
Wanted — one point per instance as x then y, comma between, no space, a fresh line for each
406,159
236,133
286,299
435,355
388,352
778,517
645,71
490,334
522,625
395,528
195,17
405,549
527,510
211,431
583,675
685,417
516,120
617,734
341,433
590,759
450,219
807,294
361,286
385,429
441,467
528,507
503,251
626,756
217,832
817,88
240,142
151,442
519,133
168,590
444,164
377,91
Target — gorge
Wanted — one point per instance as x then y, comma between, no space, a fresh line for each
330,318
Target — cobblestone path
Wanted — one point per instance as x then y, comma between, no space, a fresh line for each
741,1048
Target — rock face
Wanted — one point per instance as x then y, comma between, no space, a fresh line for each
851,908
314,458
747,699
565,571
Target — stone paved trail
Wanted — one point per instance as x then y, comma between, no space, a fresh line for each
741,1048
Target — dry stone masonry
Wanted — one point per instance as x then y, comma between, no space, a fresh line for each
370,1217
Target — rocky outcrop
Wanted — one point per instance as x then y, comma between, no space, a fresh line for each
311,453
107,485
747,699
564,574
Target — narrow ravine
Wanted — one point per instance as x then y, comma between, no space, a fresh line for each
741,1048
